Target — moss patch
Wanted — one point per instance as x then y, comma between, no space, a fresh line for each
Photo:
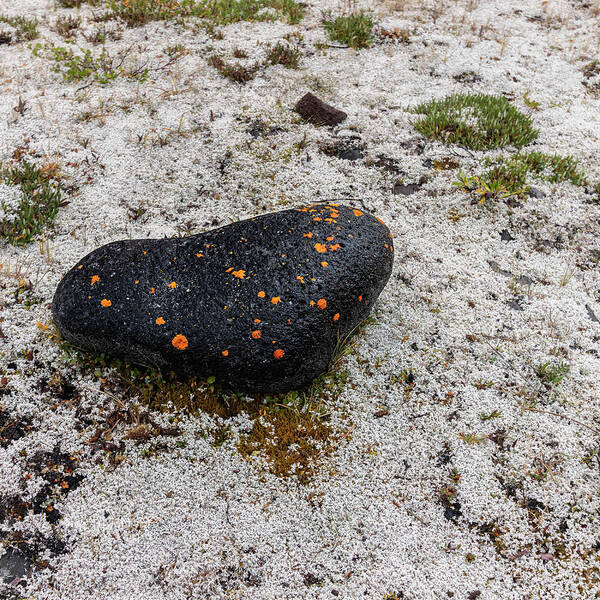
39,203
355,30
475,121
290,433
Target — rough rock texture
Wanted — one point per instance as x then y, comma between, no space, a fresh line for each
316,111
261,303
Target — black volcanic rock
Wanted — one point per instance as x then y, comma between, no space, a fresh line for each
260,304
314,110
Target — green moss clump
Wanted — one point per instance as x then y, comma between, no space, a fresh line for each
39,203
356,30
475,121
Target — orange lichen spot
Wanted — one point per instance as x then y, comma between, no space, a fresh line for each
261,294
257,320
336,317
334,247
380,220
199,254
180,342
256,334
312,303
350,236
358,213
322,303
95,278
173,285
334,214
160,321
324,264
239,274
386,245
275,300
321,248
317,219
330,220
106,303
390,236
300,278
144,252
278,354
308,235
391,248
225,353
329,238
152,290
136,281
229,270
207,245
360,298
80,266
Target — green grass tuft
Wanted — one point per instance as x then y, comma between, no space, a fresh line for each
38,206
283,54
356,30
475,121
26,28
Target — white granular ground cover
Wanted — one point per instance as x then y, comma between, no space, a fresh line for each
471,314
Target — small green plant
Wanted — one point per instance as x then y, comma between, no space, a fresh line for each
475,121
101,68
495,414
355,30
235,72
135,13
552,374
66,26
283,54
26,28
37,207
509,174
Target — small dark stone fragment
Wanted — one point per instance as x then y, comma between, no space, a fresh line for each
13,565
536,193
514,304
505,236
260,304
349,148
591,314
403,189
315,111
468,77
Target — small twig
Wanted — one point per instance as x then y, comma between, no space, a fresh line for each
555,414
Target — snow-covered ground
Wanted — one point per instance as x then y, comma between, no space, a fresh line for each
480,482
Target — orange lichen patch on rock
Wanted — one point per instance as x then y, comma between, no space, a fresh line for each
278,354
225,353
330,220
334,247
152,290
106,303
173,285
317,219
312,302
95,278
390,235
136,281
380,221
160,321
239,274
275,300
180,342
322,303
257,320
360,298
336,317
321,248
229,270
308,235
358,213
300,278
261,294
324,264
199,254
144,252
256,334
329,238
80,266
